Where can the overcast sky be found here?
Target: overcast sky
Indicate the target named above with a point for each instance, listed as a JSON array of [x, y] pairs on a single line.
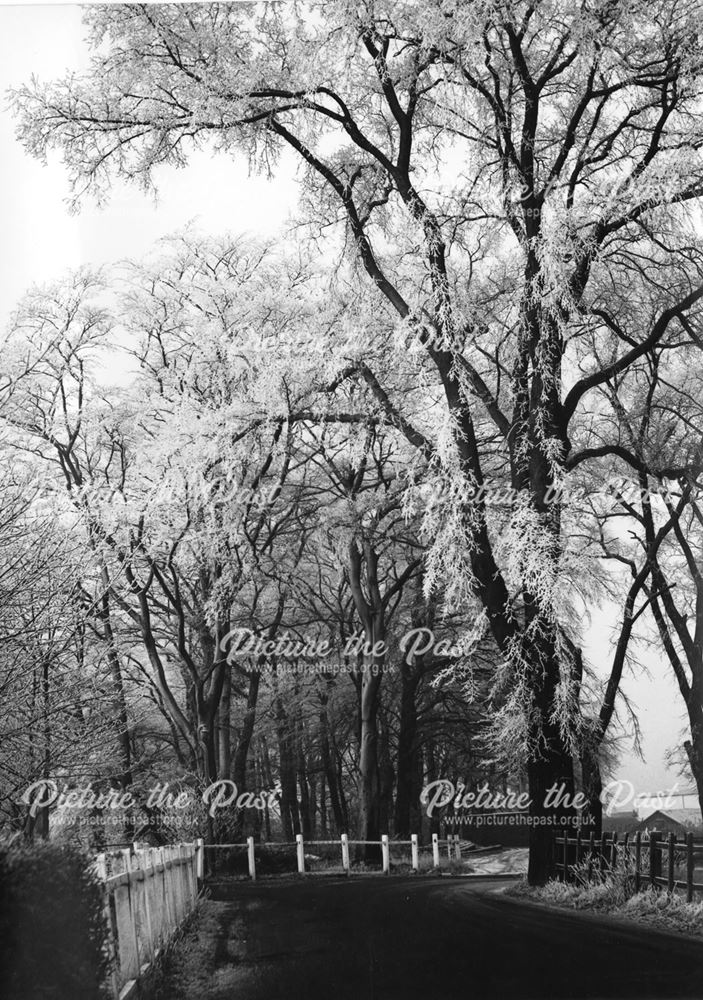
[[41, 240]]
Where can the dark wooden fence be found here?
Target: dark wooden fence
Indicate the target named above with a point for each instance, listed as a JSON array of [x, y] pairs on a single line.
[[657, 860]]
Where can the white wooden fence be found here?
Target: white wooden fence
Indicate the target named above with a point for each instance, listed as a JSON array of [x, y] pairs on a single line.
[[149, 893], [452, 846]]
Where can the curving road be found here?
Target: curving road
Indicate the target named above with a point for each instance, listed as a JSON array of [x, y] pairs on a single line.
[[375, 938]]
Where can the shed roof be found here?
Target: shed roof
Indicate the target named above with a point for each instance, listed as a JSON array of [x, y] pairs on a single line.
[[682, 817]]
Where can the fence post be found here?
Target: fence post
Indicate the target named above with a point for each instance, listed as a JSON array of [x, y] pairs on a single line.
[[184, 879], [300, 850], [146, 889], [189, 869], [155, 905], [131, 901], [101, 871], [689, 867], [414, 859], [601, 866], [179, 878], [101, 866], [386, 854], [189, 866], [200, 859], [578, 846], [638, 860], [670, 864], [654, 858], [435, 850], [457, 847], [194, 860], [345, 853], [251, 858], [614, 850], [168, 905]]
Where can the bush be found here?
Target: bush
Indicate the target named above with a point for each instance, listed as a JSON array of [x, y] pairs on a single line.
[[666, 910], [52, 925], [613, 891], [594, 885], [611, 884]]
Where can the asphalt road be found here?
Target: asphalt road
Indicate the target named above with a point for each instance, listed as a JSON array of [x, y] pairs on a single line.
[[376, 938]]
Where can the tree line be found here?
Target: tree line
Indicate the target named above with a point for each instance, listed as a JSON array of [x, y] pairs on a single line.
[[507, 197]]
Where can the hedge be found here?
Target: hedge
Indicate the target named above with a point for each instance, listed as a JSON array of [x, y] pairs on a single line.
[[52, 925]]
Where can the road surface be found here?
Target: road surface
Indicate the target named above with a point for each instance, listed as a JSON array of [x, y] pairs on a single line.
[[376, 938]]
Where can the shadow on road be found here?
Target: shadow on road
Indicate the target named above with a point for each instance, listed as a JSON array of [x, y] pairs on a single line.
[[432, 939]]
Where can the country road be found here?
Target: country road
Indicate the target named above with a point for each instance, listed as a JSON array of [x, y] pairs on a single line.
[[375, 938]]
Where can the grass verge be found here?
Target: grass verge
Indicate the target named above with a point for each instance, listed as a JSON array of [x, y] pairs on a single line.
[[655, 907]]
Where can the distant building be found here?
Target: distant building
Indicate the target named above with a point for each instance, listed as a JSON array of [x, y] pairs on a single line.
[[620, 822], [675, 821], [685, 799]]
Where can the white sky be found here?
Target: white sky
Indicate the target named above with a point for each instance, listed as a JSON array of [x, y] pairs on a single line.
[[41, 240]]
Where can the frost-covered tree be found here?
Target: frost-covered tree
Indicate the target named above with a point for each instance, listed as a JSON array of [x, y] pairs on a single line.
[[652, 524], [56, 720], [497, 169], [178, 507], [54, 334]]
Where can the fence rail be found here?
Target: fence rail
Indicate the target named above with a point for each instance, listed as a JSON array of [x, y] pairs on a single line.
[[149, 893], [642, 857], [452, 847]]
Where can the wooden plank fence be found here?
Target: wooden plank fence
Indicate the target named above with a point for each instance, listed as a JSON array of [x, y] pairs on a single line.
[[664, 862], [149, 893]]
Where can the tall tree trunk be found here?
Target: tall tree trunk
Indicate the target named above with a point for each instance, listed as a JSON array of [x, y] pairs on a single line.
[[548, 767], [118, 694], [371, 613], [666, 614], [386, 776], [290, 815], [41, 826], [29, 820], [303, 786], [592, 788], [240, 757], [694, 746], [324, 828], [536, 419], [312, 802], [241, 753], [343, 802], [224, 725], [329, 770], [369, 805], [267, 783], [431, 775], [407, 750]]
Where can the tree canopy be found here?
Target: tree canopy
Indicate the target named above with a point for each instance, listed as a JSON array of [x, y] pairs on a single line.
[[509, 192]]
